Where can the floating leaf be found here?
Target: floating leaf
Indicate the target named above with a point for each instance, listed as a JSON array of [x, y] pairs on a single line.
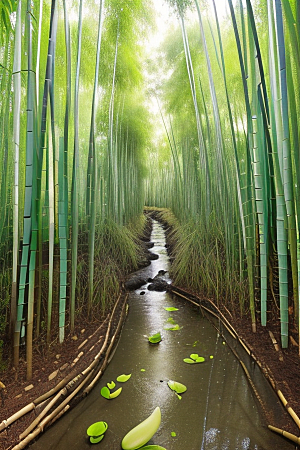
[[189, 361], [97, 429], [111, 385], [143, 370], [95, 440], [194, 359], [200, 359], [105, 392], [155, 338], [116, 393], [143, 432], [171, 308], [177, 387], [211, 357], [171, 320], [173, 328], [173, 434], [195, 343], [123, 378]]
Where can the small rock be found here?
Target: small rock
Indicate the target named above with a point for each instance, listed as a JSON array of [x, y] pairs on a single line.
[[135, 282], [52, 375], [74, 338], [82, 331], [142, 293], [29, 387], [56, 362], [57, 356]]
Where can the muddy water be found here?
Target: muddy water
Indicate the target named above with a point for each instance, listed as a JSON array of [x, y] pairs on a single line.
[[217, 412]]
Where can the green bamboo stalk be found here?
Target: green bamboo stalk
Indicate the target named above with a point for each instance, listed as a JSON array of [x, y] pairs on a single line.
[[92, 169], [28, 208], [16, 132], [286, 154], [281, 213], [250, 255], [62, 223], [74, 190], [50, 176], [204, 164]]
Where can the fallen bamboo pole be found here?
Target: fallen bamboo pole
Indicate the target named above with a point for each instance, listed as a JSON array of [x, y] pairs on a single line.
[[21, 445], [26, 436], [286, 434], [59, 387], [288, 408]]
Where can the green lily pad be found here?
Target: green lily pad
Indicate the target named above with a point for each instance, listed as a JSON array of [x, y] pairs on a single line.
[[96, 440], [189, 361], [171, 308], [143, 370], [123, 378], [173, 434], [155, 338], [211, 357], [111, 385], [105, 392], [194, 356], [200, 359], [115, 394], [179, 388], [97, 429]]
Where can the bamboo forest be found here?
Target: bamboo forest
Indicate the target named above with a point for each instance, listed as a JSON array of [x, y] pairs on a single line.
[[116, 115]]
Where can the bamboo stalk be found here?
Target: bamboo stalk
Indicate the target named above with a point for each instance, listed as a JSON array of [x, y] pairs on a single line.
[[288, 408], [286, 434]]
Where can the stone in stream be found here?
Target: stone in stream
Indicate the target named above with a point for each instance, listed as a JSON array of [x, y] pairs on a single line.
[[158, 283], [153, 256], [135, 282]]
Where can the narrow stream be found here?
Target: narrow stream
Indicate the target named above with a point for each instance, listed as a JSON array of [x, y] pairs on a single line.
[[217, 412]]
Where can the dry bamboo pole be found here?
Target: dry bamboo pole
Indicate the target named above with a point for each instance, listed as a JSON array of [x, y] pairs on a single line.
[[21, 445], [92, 384], [86, 374], [288, 408], [286, 434], [71, 376], [6, 423], [40, 416]]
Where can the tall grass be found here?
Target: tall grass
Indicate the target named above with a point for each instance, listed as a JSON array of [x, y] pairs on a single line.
[[246, 230]]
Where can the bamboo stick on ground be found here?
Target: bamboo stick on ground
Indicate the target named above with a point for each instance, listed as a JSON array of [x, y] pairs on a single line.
[[286, 434], [288, 408], [21, 445], [6, 423]]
